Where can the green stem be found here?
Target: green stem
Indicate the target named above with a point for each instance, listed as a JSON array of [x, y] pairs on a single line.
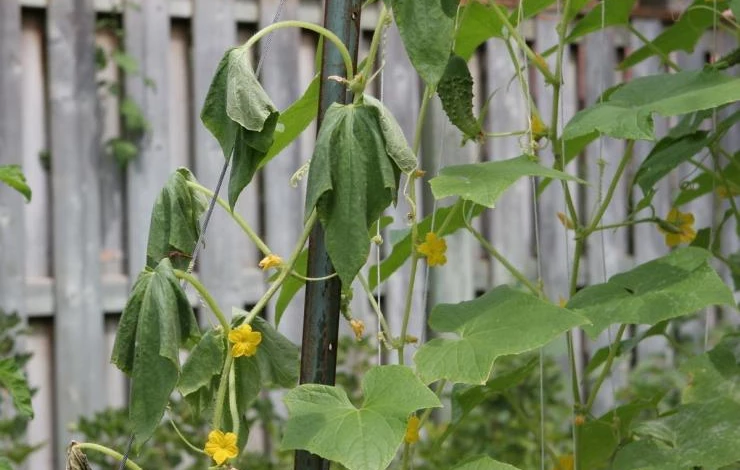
[[411, 199], [212, 304], [300, 276], [613, 349], [286, 271], [346, 57], [505, 262], [233, 408], [656, 50], [383, 18], [184, 439], [504, 134], [243, 224], [222, 387], [612, 188], [376, 308], [439, 388], [627, 223], [537, 61], [107, 451]]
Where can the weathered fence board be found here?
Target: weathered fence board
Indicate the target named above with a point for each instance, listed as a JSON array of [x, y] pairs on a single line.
[[74, 147]]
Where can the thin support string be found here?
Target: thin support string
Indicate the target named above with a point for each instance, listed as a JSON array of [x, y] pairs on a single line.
[[211, 206], [715, 167], [561, 116], [378, 292]]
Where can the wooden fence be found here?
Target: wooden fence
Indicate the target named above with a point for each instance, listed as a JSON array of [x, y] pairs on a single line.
[[67, 258]]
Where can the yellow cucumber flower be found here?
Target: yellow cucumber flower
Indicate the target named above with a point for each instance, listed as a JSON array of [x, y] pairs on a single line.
[[434, 248], [678, 228], [221, 446], [245, 341], [270, 261], [412, 430]]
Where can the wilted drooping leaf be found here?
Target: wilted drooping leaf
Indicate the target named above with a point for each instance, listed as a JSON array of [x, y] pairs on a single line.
[[323, 421], [156, 321], [351, 180], [240, 115], [175, 226]]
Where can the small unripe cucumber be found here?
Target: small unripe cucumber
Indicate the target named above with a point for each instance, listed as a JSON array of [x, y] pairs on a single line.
[[455, 90]]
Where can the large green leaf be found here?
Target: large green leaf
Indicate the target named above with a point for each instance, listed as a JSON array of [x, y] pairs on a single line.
[[735, 7], [715, 373], [174, 226], [213, 115], [250, 149], [13, 176], [677, 284], [697, 435], [157, 320], [427, 33], [484, 183], [627, 112], [322, 420], [683, 35], [294, 120], [504, 321], [606, 13], [484, 462], [667, 154], [15, 383], [352, 179], [277, 356], [454, 215]]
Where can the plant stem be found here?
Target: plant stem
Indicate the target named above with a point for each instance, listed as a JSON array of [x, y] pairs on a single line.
[[107, 451], [243, 224], [505, 262], [383, 18], [612, 188], [607, 368], [206, 296], [184, 439], [376, 308], [627, 223], [664, 57], [233, 408], [297, 275], [286, 271], [537, 61], [222, 387], [346, 57], [411, 198]]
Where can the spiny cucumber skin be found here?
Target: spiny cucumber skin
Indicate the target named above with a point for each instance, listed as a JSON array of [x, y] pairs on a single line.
[[455, 91]]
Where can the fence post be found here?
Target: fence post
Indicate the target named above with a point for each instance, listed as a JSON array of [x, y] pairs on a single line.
[[321, 314]]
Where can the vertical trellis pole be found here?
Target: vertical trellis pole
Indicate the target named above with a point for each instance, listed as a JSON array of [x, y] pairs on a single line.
[[321, 314]]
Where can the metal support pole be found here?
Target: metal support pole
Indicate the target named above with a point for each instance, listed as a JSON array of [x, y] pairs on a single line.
[[321, 314]]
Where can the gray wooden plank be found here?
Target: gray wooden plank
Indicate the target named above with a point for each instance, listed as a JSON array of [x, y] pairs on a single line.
[[214, 31], [510, 224], [111, 172], [283, 205], [34, 141], [40, 371], [401, 96], [147, 39], [12, 239], [79, 356]]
